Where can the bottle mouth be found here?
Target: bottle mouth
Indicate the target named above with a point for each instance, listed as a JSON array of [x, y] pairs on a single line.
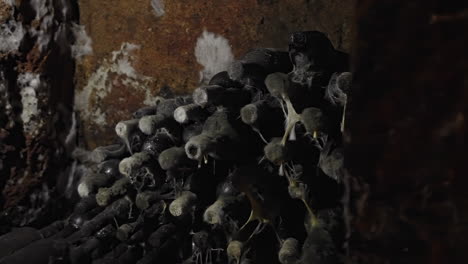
[[235, 71], [200, 96], [249, 114], [180, 115], [193, 151]]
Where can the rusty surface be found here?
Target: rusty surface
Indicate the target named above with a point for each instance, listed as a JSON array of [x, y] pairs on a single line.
[[34, 158], [167, 43]]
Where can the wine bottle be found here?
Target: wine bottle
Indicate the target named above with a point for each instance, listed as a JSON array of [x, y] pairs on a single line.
[[124, 129], [220, 96], [222, 79], [184, 204], [190, 113], [173, 158], [116, 151], [119, 188], [221, 139], [289, 252], [257, 64]]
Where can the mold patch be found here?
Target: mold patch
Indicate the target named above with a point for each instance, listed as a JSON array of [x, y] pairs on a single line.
[[11, 35], [29, 84], [100, 84], [214, 53], [83, 43]]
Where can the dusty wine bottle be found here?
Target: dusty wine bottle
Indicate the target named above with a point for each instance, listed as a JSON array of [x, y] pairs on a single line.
[[338, 87], [128, 166], [221, 139], [254, 113], [145, 111], [106, 233], [125, 231], [124, 129], [116, 151], [269, 60], [279, 86], [76, 220], [183, 205], [192, 130], [91, 182], [289, 252], [174, 157], [119, 188], [311, 49], [154, 210], [146, 199], [278, 153], [85, 204], [149, 124], [318, 247], [265, 117], [138, 237], [228, 194], [222, 79], [167, 107], [331, 161], [190, 113], [315, 122], [110, 168], [234, 250], [156, 144], [257, 64], [199, 146], [215, 213], [118, 209], [220, 96], [158, 237]]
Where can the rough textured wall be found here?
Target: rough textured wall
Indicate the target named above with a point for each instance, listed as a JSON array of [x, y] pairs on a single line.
[[36, 92], [141, 46], [406, 133]]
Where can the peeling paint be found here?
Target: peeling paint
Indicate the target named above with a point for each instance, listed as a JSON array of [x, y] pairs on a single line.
[[214, 53], [158, 7], [83, 43], [45, 14], [29, 84], [11, 35], [103, 80]]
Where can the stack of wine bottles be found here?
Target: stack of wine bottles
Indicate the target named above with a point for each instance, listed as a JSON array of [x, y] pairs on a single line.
[[247, 169]]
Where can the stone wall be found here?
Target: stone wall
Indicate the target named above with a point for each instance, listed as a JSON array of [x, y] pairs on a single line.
[[126, 53], [141, 46]]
